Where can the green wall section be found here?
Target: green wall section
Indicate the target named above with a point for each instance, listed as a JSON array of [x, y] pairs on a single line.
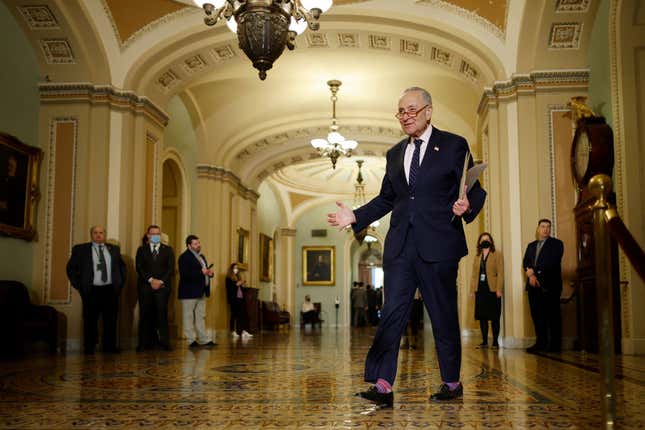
[[268, 209], [19, 110], [316, 218], [180, 135], [599, 64]]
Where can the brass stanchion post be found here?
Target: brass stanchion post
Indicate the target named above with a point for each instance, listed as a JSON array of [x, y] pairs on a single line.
[[600, 187]]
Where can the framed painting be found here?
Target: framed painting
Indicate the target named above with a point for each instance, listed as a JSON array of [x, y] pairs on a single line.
[[243, 248], [318, 265], [266, 258], [19, 193]]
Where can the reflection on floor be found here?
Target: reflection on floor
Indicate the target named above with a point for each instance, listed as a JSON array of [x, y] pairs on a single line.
[[297, 379]]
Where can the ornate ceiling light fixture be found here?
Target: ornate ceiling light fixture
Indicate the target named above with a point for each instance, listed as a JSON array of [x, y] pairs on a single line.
[[335, 145], [265, 27]]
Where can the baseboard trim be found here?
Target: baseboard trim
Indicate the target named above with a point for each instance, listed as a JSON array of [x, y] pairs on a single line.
[[634, 346]]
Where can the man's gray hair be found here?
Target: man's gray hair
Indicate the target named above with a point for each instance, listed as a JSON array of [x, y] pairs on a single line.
[[425, 94]]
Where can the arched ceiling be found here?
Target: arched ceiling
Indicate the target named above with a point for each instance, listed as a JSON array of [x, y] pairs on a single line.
[[260, 130]]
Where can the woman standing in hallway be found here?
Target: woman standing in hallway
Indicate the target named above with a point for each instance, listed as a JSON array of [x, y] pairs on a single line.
[[486, 286], [235, 297]]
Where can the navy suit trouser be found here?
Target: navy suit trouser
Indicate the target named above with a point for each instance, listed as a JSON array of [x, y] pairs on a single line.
[[437, 282]]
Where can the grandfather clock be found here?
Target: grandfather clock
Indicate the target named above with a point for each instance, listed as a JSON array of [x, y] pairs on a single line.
[[592, 152]]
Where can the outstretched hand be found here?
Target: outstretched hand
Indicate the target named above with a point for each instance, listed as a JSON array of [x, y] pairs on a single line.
[[462, 205], [342, 218]]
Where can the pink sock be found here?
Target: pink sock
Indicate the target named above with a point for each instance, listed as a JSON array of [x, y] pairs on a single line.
[[382, 386], [453, 385]]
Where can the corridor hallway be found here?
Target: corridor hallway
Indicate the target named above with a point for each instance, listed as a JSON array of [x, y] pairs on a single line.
[[306, 380]]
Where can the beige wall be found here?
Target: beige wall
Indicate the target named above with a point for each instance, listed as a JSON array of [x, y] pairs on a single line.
[[528, 147], [627, 40]]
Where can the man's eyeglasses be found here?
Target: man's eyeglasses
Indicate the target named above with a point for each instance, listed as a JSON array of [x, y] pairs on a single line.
[[412, 113]]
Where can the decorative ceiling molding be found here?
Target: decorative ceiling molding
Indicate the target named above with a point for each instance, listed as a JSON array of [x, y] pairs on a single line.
[[101, 94], [223, 53], [167, 80], [565, 35], [537, 81], [568, 6], [57, 51], [170, 79], [471, 15], [274, 141], [39, 17], [349, 40], [215, 173], [378, 41], [194, 64]]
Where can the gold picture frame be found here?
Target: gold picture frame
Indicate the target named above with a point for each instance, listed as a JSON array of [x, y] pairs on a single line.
[[318, 265], [19, 191], [266, 258], [243, 248]]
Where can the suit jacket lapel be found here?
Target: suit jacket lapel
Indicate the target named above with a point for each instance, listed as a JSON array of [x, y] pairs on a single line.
[[399, 161], [433, 143]]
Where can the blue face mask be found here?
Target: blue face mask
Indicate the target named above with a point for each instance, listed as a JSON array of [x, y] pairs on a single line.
[[155, 238]]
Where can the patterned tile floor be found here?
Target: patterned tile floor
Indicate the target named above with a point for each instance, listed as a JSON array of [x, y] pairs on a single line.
[[300, 380]]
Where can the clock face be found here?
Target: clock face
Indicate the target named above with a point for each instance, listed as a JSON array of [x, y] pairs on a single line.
[[582, 154]]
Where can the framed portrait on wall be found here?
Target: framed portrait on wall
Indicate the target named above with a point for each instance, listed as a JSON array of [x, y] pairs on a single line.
[[266, 258], [318, 265], [19, 193], [243, 248]]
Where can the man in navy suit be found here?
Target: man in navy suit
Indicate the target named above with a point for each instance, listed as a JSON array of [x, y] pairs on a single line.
[[543, 267], [194, 287], [97, 271], [423, 245]]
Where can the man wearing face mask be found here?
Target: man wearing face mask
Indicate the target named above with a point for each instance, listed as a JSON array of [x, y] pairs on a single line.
[[154, 263]]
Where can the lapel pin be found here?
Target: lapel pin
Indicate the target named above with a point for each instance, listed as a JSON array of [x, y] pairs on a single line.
[[436, 148]]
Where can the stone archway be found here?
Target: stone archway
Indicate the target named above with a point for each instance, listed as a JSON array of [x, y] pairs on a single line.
[[173, 221]]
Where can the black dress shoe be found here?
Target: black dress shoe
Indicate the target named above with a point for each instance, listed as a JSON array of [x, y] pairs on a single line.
[[113, 350], [495, 346], [383, 400], [482, 345], [445, 393], [193, 344], [210, 344]]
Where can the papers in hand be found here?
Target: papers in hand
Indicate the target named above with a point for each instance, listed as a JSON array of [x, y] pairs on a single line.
[[469, 176]]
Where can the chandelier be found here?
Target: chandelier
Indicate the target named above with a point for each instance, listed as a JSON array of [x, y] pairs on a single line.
[[265, 27], [359, 200], [335, 145]]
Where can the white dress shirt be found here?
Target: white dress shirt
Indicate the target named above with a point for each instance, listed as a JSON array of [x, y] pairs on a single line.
[[95, 264], [409, 151]]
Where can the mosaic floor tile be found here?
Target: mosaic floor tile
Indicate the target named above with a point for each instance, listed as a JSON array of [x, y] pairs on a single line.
[[297, 380]]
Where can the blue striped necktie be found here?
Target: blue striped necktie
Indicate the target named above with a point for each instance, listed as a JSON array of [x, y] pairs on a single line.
[[414, 165]]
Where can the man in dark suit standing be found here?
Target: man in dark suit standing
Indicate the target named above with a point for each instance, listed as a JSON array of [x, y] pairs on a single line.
[[423, 245], [98, 272], [155, 264], [543, 267], [194, 287]]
